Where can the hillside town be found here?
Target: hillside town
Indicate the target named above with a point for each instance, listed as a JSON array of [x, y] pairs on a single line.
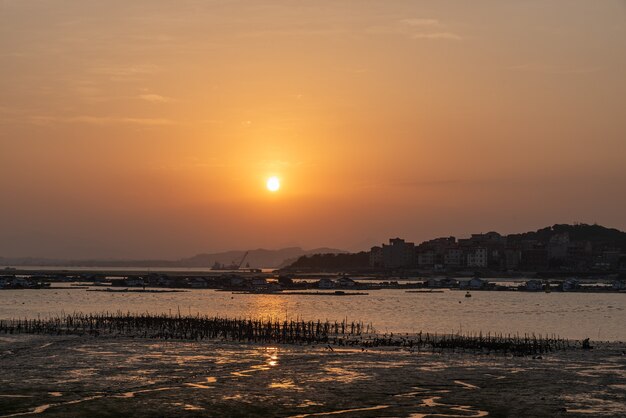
[[558, 251], [495, 252]]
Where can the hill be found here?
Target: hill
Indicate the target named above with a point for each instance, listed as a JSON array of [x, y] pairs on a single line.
[[331, 262], [598, 235], [259, 258]]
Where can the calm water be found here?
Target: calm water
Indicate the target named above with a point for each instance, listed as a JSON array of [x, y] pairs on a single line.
[[571, 315]]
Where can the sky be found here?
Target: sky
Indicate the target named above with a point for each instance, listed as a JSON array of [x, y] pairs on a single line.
[[148, 129]]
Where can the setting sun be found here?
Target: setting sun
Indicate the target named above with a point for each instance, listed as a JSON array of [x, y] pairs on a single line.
[[273, 184]]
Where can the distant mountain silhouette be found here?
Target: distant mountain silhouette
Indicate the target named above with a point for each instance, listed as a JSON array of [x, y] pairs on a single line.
[[259, 258]]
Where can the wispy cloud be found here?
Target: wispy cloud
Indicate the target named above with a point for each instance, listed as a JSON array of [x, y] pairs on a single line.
[[445, 36], [552, 69], [421, 22], [126, 73], [419, 28], [154, 98], [101, 120]]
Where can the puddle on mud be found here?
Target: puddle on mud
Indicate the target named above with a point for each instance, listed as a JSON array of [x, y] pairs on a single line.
[[188, 407], [342, 411], [341, 375], [466, 385], [131, 394], [465, 410], [284, 384], [42, 408], [592, 404], [307, 403], [199, 386]]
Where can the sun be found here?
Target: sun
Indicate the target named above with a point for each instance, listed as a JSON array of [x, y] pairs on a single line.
[[273, 184]]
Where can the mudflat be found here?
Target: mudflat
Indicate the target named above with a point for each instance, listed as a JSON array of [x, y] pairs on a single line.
[[106, 376]]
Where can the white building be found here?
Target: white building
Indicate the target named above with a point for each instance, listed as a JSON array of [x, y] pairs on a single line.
[[477, 257]]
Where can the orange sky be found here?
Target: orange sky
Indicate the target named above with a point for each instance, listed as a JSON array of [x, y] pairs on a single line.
[[149, 129]]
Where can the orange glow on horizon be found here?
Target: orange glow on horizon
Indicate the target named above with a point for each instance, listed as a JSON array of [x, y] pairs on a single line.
[[378, 119]]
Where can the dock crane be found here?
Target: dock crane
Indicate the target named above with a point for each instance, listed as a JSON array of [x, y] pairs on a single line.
[[242, 260]]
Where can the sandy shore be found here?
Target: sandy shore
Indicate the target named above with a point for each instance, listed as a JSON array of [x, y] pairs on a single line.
[[83, 376]]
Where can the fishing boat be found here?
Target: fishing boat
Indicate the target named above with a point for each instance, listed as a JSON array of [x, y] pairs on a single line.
[[468, 294]]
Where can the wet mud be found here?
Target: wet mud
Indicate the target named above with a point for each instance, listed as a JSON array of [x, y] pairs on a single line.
[[72, 376]]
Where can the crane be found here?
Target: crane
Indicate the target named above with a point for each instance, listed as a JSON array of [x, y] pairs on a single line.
[[242, 260]]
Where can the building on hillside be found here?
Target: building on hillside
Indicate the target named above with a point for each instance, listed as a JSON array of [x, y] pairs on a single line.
[[453, 257], [396, 254], [512, 258], [426, 258], [489, 240], [557, 246], [611, 258], [477, 257], [438, 245], [376, 257], [535, 258]]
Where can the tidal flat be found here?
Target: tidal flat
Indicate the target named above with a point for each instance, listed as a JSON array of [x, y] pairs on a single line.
[[77, 376]]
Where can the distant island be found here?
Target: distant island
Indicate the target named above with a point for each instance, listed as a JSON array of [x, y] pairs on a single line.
[[259, 258], [561, 248]]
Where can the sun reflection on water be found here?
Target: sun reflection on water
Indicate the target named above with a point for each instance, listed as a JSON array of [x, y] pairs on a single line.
[[272, 356]]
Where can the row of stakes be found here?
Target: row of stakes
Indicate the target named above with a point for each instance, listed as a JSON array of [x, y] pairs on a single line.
[[344, 333]]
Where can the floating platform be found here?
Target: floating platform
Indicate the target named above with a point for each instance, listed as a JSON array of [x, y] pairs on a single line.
[[424, 291], [135, 290]]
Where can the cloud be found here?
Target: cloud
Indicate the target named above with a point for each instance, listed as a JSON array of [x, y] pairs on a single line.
[[418, 28], [552, 69], [421, 22], [126, 73], [154, 98], [101, 120], [436, 36]]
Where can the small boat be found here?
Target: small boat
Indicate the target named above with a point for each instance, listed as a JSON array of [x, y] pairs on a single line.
[[468, 294]]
